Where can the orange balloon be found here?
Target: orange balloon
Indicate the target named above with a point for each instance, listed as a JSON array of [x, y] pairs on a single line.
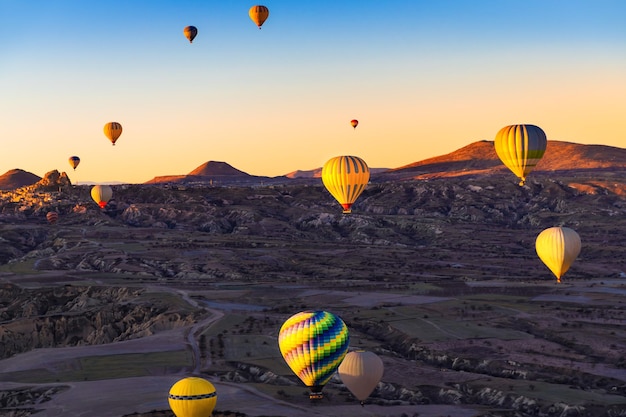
[[258, 14], [190, 33], [354, 123]]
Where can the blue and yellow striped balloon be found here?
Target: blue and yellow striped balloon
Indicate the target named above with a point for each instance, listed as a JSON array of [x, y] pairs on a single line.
[[313, 343]]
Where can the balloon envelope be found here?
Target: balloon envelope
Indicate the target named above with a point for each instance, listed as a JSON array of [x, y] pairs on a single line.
[[74, 161], [52, 217], [558, 248], [345, 178], [190, 33], [361, 371], [192, 397], [112, 130], [101, 194], [520, 148], [258, 14], [354, 123], [313, 343]]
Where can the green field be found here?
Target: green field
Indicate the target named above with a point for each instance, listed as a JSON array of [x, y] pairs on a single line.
[[91, 368]]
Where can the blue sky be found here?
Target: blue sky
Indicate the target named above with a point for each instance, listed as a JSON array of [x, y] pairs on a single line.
[[423, 77]]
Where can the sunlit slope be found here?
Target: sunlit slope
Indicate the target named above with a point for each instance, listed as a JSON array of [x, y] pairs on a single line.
[[480, 158]]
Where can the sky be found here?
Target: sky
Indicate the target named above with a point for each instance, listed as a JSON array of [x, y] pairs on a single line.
[[423, 78]]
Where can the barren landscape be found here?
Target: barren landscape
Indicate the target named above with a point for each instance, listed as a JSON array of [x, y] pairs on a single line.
[[435, 271]]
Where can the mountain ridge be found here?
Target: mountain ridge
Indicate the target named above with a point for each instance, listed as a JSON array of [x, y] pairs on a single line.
[[477, 158]]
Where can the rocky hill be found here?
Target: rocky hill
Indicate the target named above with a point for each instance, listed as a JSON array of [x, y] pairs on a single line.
[[16, 178], [480, 159], [218, 174]]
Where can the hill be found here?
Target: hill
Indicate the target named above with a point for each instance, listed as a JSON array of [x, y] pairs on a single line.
[[216, 173], [476, 159], [16, 178], [480, 158], [213, 168]]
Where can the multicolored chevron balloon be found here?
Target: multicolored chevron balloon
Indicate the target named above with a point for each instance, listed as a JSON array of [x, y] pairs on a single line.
[[313, 343]]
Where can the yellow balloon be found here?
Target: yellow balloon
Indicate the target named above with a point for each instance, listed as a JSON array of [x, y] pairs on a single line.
[[345, 178], [361, 371], [112, 130], [101, 194], [558, 248], [192, 397], [258, 14], [520, 148]]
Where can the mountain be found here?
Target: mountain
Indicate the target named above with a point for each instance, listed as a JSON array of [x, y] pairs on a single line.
[[218, 173], [213, 169], [17, 178], [480, 158], [476, 159]]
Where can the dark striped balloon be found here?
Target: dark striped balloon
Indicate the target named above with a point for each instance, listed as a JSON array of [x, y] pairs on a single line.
[[52, 217], [313, 343]]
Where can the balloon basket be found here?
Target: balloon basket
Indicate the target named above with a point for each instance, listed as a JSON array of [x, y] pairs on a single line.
[[316, 396]]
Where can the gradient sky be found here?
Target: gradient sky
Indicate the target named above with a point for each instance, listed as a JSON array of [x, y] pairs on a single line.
[[423, 78]]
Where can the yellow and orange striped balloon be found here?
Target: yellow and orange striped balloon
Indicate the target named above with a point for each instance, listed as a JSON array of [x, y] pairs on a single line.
[[345, 178], [112, 131]]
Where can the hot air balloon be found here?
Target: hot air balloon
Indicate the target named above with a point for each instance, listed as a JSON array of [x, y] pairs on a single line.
[[190, 33], [520, 147], [101, 194], [74, 161], [361, 371], [558, 247], [192, 397], [52, 217], [258, 14], [354, 123], [112, 130], [345, 177], [313, 343]]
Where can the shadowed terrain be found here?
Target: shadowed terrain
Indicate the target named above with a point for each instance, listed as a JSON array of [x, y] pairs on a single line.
[[438, 276]]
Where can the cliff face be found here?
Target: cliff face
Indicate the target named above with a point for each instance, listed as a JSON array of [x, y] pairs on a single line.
[[69, 316]]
